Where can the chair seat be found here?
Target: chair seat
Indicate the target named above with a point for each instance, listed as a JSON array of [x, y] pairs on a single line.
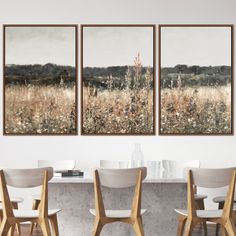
[[117, 213], [200, 196], [202, 213], [15, 199], [220, 199], [32, 213]]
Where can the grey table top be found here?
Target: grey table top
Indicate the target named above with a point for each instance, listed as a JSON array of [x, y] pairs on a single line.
[[88, 180]]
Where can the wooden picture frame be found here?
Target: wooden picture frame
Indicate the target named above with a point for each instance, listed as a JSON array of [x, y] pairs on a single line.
[[104, 129], [172, 118], [63, 77]]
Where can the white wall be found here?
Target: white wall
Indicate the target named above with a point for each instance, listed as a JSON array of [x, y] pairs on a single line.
[[25, 151]]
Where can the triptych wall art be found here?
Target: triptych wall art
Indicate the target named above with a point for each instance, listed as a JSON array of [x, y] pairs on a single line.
[[117, 79]]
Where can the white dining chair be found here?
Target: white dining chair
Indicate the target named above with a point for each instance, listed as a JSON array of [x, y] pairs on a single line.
[[119, 178], [220, 200], [208, 178], [180, 170], [57, 165], [15, 201], [27, 178]]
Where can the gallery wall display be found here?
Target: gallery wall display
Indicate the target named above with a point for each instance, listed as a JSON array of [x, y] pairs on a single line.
[[40, 79], [196, 79], [118, 79]]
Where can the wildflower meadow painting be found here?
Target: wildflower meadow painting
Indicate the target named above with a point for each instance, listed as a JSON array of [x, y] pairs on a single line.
[[118, 80], [40, 80], [195, 80]]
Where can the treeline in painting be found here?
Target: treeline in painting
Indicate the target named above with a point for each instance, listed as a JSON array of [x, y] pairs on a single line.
[[196, 102]]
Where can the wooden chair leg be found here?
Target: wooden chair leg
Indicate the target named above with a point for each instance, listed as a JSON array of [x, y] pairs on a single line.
[[97, 227], [34, 207], [218, 226], [15, 206], [234, 218], [5, 227], [189, 227], [201, 206], [45, 226], [229, 226], [138, 227], [182, 221], [54, 223], [222, 231], [12, 231], [1, 216]]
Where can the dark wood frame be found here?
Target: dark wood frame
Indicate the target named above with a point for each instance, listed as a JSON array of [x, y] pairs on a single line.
[[75, 26], [154, 78], [232, 77]]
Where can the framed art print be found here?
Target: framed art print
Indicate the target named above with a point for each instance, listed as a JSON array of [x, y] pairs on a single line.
[[40, 79], [195, 79], [118, 80]]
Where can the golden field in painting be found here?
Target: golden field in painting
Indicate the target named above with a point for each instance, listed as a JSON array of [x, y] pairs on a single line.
[[118, 112], [202, 110], [40, 109]]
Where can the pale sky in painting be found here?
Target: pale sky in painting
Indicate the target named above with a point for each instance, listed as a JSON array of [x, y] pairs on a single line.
[[202, 46], [117, 46], [40, 45]]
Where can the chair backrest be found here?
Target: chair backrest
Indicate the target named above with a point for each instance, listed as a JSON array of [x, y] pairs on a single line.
[[212, 178], [121, 178], [109, 164], [26, 178], [58, 165]]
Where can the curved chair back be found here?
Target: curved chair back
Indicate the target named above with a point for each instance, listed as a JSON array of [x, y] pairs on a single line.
[[212, 178], [26, 178], [58, 165], [121, 178]]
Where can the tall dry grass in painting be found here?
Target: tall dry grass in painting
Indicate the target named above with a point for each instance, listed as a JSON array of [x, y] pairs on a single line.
[[203, 110], [40, 109], [121, 111]]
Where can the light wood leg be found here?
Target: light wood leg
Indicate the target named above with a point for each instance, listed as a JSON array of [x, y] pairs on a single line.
[[138, 228], [189, 228], [234, 218], [182, 221], [12, 231], [229, 226], [218, 226], [97, 227], [15, 206], [45, 226], [1, 216], [5, 227], [54, 223], [201, 206], [34, 207], [222, 231]]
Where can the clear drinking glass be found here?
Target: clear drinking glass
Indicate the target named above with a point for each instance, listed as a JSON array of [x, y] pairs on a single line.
[[153, 169]]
